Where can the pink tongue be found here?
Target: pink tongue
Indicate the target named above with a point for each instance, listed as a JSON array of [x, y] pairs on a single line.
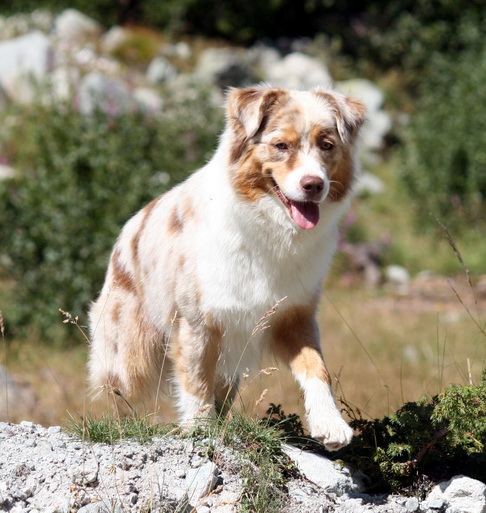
[[306, 215]]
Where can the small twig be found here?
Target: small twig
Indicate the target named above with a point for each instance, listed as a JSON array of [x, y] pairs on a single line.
[[426, 448]]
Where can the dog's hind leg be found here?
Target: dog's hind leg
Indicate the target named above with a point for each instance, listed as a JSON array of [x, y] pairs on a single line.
[[195, 356], [225, 394]]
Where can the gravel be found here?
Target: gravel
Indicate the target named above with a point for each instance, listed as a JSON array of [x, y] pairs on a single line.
[[48, 470]]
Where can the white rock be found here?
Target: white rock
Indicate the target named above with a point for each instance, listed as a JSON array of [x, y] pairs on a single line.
[[72, 27], [96, 90], [24, 63], [114, 39], [322, 471], [378, 122], [201, 481], [147, 99], [3, 99], [264, 57], [462, 493], [412, 505], [15, 398], [181, 50], [63, 81], [160, 70], [223, 66], [368, 183], [85, 474], [397, 274], [5, 173], [298, 71], [95, 507]]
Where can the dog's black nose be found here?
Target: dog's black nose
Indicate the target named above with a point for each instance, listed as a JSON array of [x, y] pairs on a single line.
[[312, 185]]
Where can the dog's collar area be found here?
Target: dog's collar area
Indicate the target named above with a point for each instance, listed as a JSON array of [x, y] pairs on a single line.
[[304, 213]]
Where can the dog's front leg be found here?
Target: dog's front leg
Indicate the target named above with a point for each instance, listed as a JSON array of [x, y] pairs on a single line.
[[296, 341], [196, 355]]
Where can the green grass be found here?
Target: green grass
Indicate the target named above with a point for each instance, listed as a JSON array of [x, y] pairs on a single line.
[[109, 429]]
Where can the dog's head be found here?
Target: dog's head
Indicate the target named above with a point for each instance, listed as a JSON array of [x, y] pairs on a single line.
[[295, 145]]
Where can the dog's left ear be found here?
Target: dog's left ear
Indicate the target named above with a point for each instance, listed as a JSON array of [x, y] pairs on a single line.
[[350, 113], [248, 108]]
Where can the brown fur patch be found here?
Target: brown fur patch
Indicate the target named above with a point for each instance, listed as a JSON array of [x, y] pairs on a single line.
[[196, 366], [188, 211], [294, 338], [181, 263], [341, 177], [238, 144], [320, 134], [251, 181], [145, 356], [175, 223], [121, 278], [350, 116], [146, 211], [285, 120], [114, 381], [115, 313], [358, 109], [257, 104]]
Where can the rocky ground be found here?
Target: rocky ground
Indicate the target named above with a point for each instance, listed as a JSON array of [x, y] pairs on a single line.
[[46, 469]]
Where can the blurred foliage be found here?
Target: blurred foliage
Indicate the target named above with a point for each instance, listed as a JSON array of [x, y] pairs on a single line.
[[401, 33], [435, 439], [444, 157], [79, 179]]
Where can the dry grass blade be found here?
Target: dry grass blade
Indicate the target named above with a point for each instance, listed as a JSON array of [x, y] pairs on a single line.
[[2, 331], [74, 320], [2, 326], [262, 324], [454, 247], [471, 316]]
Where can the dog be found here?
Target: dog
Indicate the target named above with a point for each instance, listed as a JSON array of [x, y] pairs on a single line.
[[194, 272]]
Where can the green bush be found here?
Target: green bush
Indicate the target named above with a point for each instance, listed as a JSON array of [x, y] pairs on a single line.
[[444, 161], [79, 179], [423, 441]]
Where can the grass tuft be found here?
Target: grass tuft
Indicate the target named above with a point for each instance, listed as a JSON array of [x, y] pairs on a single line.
[[110, 430]]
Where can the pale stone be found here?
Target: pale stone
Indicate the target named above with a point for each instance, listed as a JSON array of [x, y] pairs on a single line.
[[24, 63], [298, 71], [323, 472], [462, 493], [73, 27]]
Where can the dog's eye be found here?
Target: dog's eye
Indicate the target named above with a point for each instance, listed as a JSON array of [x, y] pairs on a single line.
[[282, 146], [326, 146]]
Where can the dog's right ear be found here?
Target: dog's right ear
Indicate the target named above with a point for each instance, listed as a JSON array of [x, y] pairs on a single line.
[[248, 109]]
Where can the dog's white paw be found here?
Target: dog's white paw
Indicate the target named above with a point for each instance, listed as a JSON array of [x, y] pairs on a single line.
[[333, 432]]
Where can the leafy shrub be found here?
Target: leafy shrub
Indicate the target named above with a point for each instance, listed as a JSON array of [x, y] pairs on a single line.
[[408, 33], [435, 439], [444, 157], [80, 178]]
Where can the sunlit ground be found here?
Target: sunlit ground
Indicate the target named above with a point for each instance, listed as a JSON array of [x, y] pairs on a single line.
[[382, 349]]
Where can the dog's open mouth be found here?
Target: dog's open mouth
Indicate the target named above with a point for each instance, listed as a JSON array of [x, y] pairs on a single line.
[[304, 213]]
